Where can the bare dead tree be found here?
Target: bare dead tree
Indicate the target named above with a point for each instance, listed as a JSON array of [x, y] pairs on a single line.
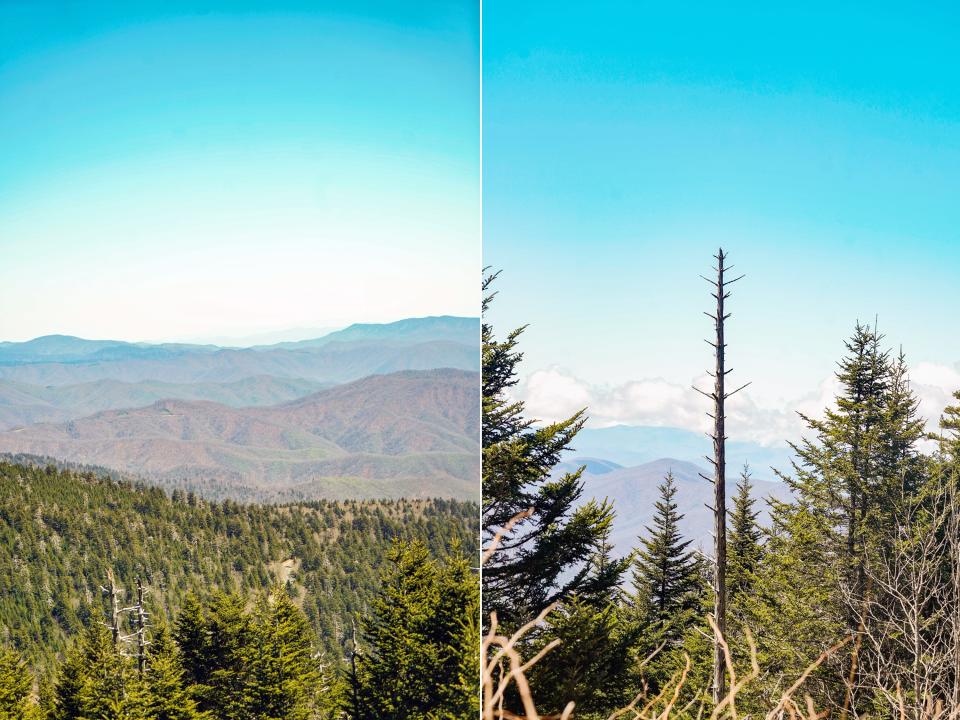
[[113, 592], [719, 509], [141, 619], [910, 622]]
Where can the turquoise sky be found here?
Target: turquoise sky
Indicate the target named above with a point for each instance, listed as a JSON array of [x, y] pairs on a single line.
[[819, 143], [179, 170]]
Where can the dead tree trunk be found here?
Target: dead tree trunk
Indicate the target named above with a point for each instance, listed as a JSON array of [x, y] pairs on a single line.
[[719, 396], [113, 592], [141, 630]]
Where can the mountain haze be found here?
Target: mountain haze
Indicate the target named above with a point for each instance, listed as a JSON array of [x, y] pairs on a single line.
[[634, 492], [24, 404], [412, 433]]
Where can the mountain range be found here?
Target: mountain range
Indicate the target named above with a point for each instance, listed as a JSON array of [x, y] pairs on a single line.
[[631, 445], [411, 433], [633, 491], [368, 411]]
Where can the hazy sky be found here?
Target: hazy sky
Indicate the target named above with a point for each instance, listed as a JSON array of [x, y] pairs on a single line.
[[819, 143], [168, 173]]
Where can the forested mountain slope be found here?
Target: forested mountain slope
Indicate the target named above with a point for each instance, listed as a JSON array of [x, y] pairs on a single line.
[[61, 531], [413, 433]]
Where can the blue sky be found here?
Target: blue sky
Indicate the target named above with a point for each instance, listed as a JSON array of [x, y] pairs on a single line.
[[623, 142], [181, 170]]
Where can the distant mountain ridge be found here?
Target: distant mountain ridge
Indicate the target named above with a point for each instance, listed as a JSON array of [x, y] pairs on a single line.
[[441, 327], [71, 349], [411, 433], [634, 492], [23, 404], [632, 445]]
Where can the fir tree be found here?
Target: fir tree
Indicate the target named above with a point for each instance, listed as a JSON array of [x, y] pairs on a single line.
[[286, 669], [666, 576], [743, 541], [393, 678], [16, 684], [546, 556], [168, 697]]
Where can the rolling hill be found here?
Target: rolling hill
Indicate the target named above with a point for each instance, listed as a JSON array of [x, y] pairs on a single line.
[[410, 433], [22, 404]]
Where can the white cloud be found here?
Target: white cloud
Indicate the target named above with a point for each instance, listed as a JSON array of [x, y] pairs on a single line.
[[554, 393]]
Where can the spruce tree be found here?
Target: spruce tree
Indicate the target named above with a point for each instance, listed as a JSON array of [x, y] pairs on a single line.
[[98, 682], [592, 665], [16, 685], [231, 652], [456, 632], [394, 666], [853, 482], [546, 556], [192, 637], [286, 670], [666, 575], [744, 545], [167, 694]]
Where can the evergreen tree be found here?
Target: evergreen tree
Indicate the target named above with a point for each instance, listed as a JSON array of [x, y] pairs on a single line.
[[16, 684], [68, 689], [230, 657], [950, 430], [666, 577], [168, 697], [852, 483], [592, 664], [286, 669], [455, 630], [546, 556], [98, 682], [419, 656], [743, 542], [192, 637]]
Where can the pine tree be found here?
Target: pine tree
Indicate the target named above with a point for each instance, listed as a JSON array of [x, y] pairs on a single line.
[[16, 684], [666, 576], [743, 542], [546, 556]]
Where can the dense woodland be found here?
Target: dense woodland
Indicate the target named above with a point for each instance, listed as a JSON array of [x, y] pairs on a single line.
[[848, 601], [326, 609]]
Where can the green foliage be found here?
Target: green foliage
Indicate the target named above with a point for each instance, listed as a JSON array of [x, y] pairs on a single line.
[[667, 577], [168, 695], [16, 684], [61, 531], [546, 556], [744, 542], [592, 665], [419, 642]]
